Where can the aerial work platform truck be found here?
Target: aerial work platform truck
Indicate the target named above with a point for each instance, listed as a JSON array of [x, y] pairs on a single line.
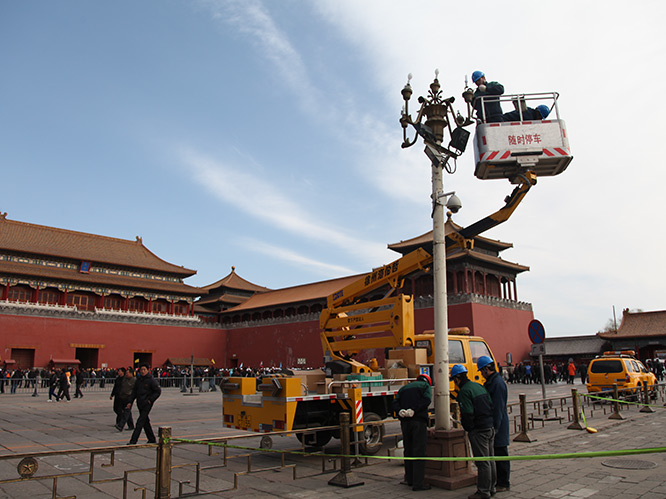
[[355, 319]]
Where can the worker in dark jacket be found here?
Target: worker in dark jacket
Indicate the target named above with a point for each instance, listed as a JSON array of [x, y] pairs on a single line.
[[146, 391], [410, 405], [488, 109], [476, 412], [496, 388], [537, 114]]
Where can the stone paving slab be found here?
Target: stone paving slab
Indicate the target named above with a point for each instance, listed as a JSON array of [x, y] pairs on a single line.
[[30, 424]]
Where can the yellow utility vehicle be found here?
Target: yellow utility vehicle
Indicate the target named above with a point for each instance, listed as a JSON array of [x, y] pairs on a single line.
[[354, 321], [463, 349], [621, 368]]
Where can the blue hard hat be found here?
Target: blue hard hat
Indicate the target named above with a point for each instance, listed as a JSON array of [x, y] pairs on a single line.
[[544, 111], [456, 370], [483, 361], [476, 75]]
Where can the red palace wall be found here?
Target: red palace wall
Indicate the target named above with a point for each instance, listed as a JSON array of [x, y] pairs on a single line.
[[274, 345], [505, 329], [51, 338]]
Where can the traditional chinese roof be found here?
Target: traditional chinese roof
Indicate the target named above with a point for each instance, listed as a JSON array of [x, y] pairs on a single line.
[[639, 325], [234, 281], [223, 298], [21, 237], [53, 276], [575, 345], [295, 294], [425, 241], [487, 260]]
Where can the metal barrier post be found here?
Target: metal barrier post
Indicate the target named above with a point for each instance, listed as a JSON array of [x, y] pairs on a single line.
[[616, 405], [646, 399], [163, 464], [575, 425], [345, 478], [523, 436]]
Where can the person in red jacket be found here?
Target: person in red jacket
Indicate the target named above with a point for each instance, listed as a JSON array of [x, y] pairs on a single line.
[[571, 369]]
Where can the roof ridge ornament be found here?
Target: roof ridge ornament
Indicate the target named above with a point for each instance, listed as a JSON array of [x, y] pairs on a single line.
[[139, 239]]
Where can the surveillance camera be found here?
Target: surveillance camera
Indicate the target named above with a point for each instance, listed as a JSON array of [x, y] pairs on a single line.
[[454, 204]]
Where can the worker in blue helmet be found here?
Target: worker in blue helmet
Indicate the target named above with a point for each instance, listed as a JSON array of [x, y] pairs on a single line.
[[496, 388], [539, 113], [410, 405], [476, 414], [486, 98]]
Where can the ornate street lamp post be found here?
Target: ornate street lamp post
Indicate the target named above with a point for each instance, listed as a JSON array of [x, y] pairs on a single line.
[[436, 110], [441, 121]]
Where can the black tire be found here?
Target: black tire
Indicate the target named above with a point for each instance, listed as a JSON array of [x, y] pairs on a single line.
[[374, 435]]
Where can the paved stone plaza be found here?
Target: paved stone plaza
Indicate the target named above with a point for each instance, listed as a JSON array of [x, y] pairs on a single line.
[[31, 424]]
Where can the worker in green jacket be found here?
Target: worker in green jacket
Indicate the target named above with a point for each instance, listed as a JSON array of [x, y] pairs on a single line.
[[410, 405], [476, 413]]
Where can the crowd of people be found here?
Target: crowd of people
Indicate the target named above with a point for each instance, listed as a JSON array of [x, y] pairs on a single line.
[[65, 381]]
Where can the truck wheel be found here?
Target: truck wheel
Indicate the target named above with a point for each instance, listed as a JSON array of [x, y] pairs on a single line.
[[373, 435], [318, 439]]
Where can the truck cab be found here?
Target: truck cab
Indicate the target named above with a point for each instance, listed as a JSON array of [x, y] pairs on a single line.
[[464, 349]]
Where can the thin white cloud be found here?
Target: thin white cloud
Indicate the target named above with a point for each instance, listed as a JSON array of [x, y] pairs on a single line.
[[289, 256], [252, 19], [265, 202], [377, 147]]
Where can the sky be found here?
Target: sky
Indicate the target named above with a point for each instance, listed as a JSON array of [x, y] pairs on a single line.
[[264, 135]]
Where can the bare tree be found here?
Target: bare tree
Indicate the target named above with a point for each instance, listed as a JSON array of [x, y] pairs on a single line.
[[611, 325]]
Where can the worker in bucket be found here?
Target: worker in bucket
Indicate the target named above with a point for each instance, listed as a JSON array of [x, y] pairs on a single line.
[[411, 407], [476, 414], [539, 113], [496, 388], [491, 91]]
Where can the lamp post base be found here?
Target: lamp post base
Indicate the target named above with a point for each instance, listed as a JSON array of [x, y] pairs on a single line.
[[450, 475]]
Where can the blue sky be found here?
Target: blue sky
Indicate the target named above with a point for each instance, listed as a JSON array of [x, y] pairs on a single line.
[[265, 135]]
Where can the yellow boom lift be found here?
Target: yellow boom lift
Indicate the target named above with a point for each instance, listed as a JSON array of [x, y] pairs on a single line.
[[351, 322]]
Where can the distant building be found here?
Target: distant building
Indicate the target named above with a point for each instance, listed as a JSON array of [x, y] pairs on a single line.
[[578, 348], [71, 298], [228, 292], [283, 325], [643, 332]]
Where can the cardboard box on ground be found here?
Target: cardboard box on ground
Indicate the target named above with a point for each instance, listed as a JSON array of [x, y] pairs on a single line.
[[401, 364], [409, 357]]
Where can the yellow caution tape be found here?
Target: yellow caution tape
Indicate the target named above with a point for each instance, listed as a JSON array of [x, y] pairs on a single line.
[[606, 399]]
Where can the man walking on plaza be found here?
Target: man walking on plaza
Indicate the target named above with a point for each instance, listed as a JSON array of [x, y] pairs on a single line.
[[146, 391], [496, 388], [78, 380], [63, 386], [476, 410], [122, 391]]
